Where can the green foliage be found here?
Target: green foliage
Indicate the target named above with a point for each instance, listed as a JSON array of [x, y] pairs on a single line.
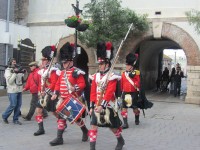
[[85, 22], [194, 19], [75, 18], [110, 22]]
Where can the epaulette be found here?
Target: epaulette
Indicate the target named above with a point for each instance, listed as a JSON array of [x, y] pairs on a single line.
[[137, 72], [114, 76], [77, 72]]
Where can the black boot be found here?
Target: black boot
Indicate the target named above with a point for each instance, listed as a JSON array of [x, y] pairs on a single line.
[[45, 113], [120, 143], [58, 140], [41, 129], [85, 133], [137, 121], [92, 145], [125, 125]]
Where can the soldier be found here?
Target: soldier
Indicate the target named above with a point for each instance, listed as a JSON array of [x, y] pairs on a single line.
[[46, 87], [130, 85], [71, 84], [102, 108]]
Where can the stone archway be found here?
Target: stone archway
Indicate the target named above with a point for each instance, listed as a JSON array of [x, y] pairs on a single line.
[[89, 51], [174, 33], [187, 43], [168, 31]]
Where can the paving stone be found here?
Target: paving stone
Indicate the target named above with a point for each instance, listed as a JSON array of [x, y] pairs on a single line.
[[167, 126]]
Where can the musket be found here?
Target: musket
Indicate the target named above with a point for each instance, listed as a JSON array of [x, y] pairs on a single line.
[[43, 99], [53, 55], [104, 84]]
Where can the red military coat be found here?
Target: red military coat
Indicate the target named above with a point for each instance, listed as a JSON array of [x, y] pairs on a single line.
[[32, 82], [126, 86], [109, 94], [51, 79], [75, 78]]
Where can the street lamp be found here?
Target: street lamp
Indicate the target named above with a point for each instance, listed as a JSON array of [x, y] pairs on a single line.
[[175, 59], [77, 12], [76, 50]]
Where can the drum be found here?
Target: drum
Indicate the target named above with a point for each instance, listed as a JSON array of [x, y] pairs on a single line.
[[71, 109]]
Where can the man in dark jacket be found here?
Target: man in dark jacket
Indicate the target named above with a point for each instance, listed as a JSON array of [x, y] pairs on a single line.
[[177, 80]]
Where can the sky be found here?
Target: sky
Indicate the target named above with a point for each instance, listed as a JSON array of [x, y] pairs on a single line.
[[180, 57], [171, 53]]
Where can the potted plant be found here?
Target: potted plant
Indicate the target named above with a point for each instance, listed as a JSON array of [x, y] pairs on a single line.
[[73, 21], [84, 25]]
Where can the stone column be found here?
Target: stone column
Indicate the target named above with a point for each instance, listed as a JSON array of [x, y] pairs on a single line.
[[193, 85]]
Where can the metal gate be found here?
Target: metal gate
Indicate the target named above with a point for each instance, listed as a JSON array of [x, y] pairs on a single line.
[[25, 53], [2, 78]]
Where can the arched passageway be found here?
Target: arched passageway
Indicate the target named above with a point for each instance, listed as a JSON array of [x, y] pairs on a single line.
[[151, 53], [149, 47]]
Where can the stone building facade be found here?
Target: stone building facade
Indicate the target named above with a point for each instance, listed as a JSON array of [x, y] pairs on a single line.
[[168, 29]]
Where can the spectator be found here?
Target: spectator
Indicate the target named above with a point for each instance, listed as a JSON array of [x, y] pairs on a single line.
[[177, 80], [171, 80], [158, 80], [165, 79], [15, 76], [32, 85]]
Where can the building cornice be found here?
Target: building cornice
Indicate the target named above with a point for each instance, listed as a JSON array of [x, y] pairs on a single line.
[[172, 19], [60, 23], [50, 23]]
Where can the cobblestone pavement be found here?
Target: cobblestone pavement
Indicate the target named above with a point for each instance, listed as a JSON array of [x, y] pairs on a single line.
[[169, 125]]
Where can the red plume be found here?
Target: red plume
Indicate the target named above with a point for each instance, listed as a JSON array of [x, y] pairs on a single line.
[[72, 44], [53, 48], [136, 55], [108, 45]]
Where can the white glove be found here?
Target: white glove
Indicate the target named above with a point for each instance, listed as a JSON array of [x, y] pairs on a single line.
[[45, 74]]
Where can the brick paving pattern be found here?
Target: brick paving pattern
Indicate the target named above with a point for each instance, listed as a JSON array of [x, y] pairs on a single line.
[[167, 126]]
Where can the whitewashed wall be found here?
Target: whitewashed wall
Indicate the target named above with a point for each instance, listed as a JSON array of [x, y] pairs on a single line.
[[169, 8], [51, 10], [15, 32], [54, 11], [47, 35], [43, 11]]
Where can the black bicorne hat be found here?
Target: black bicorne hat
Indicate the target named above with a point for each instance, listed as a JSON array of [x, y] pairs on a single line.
[[66, 52], [131, 59], [104, 52]]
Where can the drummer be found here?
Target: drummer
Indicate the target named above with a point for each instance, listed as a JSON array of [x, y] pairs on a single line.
[[70, 82]]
